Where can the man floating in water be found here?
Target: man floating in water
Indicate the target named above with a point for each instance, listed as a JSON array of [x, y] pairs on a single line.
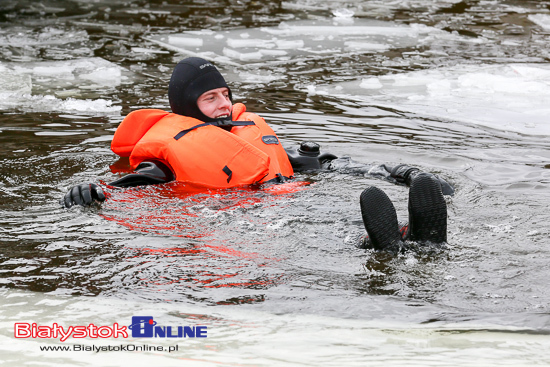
[[210, 142]]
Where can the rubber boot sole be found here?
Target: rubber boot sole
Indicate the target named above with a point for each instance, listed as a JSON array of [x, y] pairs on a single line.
[[427, 210], [380, 220]]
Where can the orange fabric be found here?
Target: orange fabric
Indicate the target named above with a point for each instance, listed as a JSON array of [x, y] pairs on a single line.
[[279, 159], [132, 128], [201, 156]]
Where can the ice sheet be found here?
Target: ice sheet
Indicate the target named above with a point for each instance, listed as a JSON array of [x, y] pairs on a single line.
[[299, 40], [29, 37], [374, 8], [369, 8], [510, 97], [49, 103], [68, 85], [542, 20], [85, 73]]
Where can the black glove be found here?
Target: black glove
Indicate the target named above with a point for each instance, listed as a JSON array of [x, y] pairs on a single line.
[[405, 174], [84, 194]]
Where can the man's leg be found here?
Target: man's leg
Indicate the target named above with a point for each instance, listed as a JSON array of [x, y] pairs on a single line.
[[427, 216], [427, 210], [380, 220]]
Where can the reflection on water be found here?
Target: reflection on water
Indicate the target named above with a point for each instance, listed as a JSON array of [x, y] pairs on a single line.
[[71, 70]]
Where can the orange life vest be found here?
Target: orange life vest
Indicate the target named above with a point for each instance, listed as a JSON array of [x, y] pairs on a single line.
[[203, 154]]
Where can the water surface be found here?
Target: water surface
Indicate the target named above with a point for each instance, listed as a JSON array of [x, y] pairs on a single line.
[[457, 88]]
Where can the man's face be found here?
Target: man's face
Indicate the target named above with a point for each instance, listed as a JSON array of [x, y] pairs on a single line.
[[215, 103]]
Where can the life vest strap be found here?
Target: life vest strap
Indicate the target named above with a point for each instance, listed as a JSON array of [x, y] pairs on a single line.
[[228, 172], [219, 124]]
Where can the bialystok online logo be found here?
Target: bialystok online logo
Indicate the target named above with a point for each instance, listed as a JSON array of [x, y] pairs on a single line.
[[141, 327]]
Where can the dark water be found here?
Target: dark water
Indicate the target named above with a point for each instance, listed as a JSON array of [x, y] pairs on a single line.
[[281, 250]]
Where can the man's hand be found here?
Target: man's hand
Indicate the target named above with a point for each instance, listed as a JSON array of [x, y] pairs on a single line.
[[84, 194], [404, 174]]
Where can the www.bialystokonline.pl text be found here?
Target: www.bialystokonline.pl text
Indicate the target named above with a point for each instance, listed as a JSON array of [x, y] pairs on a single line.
[[109, 348]]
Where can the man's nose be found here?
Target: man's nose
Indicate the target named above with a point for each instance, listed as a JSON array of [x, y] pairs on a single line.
[[225, 103]]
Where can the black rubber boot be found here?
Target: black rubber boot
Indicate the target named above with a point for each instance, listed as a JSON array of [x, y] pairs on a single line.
[[427, 210], [380, 220]]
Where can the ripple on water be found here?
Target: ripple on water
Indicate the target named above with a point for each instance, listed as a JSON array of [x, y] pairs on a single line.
[[289, 255]]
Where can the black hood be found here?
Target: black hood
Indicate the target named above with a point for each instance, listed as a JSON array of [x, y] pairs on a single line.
[[191, 78]]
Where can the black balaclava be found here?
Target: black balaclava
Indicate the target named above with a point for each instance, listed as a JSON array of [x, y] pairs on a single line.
[[192, 77]]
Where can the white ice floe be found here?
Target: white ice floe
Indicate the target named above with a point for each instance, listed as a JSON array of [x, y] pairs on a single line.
[[369, 8], [59, 85], [300, 40], [48, 36], [509, 97], [542, 20], [12, 83], [85, 73], [49, 103], [343, 13]]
